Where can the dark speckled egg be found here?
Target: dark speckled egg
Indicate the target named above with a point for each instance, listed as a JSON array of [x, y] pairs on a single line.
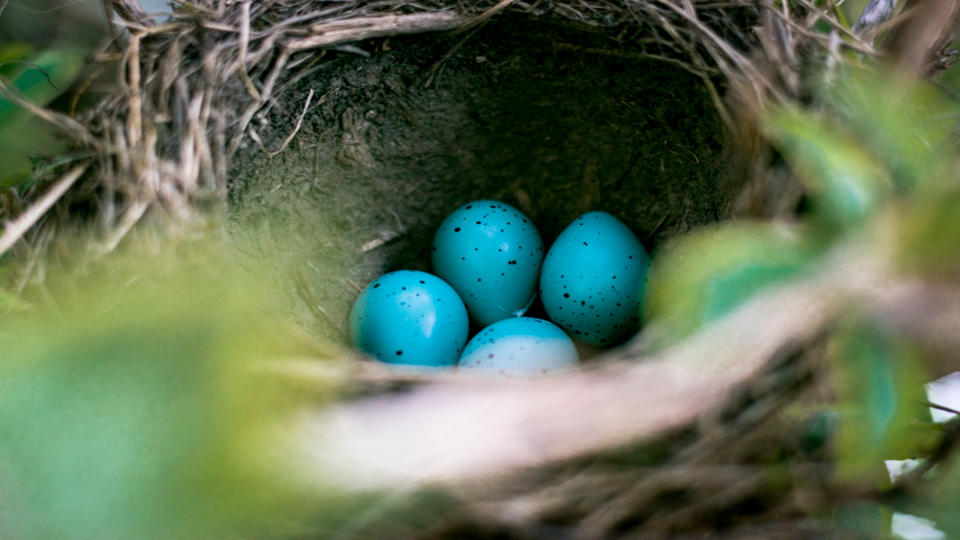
[[490, 253], [593, 279], [410, 318]]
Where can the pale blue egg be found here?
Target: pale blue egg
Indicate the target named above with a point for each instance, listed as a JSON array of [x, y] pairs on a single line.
[[520, 347], [490, 253], [593, 279], [411, 318]]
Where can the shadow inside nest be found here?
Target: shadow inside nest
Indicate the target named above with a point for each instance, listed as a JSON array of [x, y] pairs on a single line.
[[553, 118]]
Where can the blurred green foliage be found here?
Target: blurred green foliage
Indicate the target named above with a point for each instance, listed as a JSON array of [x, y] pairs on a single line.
[[843, 180], [137, 401], [874, 149], [706, 274], [40, 78], [881, 398], [9, 302], [877, 158], [43, 46], [939, 502], [905, 130], [927, 230]]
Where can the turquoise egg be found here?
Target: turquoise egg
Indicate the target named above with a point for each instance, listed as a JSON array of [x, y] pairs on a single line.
[[490, 253], [593, 279], [410, 318], [520, 347]]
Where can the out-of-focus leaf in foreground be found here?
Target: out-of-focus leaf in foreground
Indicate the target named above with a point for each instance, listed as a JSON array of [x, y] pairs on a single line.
[[876, 139], [844, 183], [941, 497], [880, 389], [39, 78], [9, 302], [137, 402], [908, 130], [927, 231], [878, 162], [707, 274], [874, 149]]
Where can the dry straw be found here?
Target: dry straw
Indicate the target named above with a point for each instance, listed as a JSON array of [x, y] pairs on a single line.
[[194, 87]]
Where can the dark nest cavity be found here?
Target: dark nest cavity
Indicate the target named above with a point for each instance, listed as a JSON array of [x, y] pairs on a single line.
[[553, 117]]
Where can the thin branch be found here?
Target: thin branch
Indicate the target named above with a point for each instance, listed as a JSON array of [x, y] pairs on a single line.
[[361, 28], [42, 71], [286, 142], [62, 121], [15, 230], [911, 481], [913, 41], [486, 15], [244, 45], [943, 408], [132, 10]]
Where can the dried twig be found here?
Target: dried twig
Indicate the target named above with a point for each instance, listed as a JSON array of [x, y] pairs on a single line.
[[913, 481], [132, 10], [486, 15], [15, 230], [63, 122], [289, 138], [244, 44], [261, 50], [340, 32], [926, 27]]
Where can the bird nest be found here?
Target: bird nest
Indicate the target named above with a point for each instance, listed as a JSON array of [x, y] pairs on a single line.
[[369, 121]]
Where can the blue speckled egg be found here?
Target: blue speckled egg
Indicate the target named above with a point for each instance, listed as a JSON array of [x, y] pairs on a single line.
[[411, 318], [593, 279], [520, 347], [491, 254]]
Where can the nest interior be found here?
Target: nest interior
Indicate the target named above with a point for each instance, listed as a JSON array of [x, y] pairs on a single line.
[[550, 116]]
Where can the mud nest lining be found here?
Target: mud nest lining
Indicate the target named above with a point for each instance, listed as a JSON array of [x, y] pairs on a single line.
[[554, 118]]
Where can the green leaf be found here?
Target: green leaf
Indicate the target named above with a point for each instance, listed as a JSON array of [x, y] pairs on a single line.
[[40, 78], [842, 179], [926, 232], [707, 274], [141, 405], [940, 497], [11, 53], [906, 128], [9, 302], [879, 382]]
